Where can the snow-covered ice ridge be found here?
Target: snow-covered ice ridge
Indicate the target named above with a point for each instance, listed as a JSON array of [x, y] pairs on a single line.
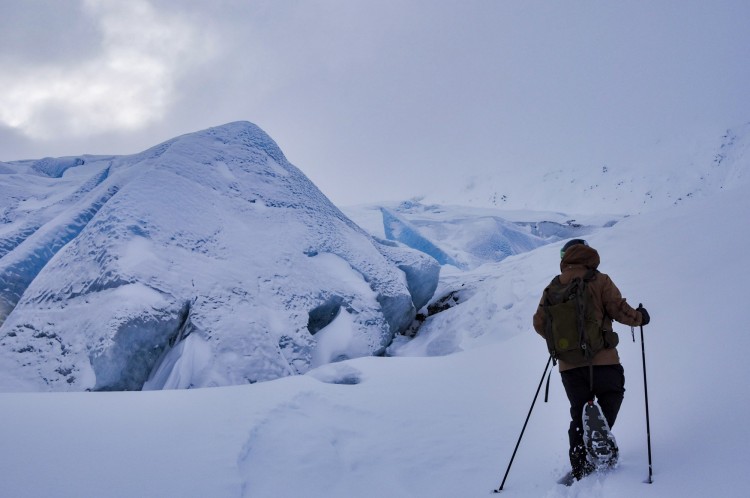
[[207, 260], [467, 237]]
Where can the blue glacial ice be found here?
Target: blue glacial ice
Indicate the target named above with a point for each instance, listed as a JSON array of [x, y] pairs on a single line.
[[207, 260]]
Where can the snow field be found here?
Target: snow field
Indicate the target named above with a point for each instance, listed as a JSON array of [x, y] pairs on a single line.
[[444, 426]]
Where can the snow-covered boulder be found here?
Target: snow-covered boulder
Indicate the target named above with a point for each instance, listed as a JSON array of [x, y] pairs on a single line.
[[208, 260]]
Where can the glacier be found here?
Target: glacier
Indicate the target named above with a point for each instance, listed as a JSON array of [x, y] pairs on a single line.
[[465, 237], [207, 260]]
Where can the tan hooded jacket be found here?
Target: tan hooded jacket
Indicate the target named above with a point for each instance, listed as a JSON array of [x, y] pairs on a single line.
[[608, 302]]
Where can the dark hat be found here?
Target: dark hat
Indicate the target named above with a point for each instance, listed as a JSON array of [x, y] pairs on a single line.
[[570, 244]]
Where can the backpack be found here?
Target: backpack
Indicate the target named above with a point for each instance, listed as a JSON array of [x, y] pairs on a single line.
[[573, 333]]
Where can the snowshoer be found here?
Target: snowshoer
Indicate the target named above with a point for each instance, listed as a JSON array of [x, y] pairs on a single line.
[[594, 370]]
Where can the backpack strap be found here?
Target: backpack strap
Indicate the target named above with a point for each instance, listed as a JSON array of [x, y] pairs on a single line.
[[588, 277], [548, 320], [580, 289], [546, 390]]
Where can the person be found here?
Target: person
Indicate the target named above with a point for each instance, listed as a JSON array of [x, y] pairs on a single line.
[[578, 259]]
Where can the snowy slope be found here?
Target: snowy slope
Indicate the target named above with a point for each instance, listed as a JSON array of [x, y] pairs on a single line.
[[666, 172], [440, 426], [207, 260]]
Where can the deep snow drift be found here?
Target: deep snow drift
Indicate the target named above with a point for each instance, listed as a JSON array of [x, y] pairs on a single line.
[[208, 260]]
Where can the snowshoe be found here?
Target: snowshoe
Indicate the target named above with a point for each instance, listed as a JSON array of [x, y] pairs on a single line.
[[600, 444]]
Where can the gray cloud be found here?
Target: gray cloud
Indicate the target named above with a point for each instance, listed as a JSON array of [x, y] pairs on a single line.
[[45, 32], [124, 85], [384, 100]]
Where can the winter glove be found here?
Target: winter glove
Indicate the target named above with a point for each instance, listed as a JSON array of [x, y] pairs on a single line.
[[644, 315]]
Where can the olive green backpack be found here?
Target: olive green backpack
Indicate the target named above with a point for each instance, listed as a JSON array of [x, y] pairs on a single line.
[[573, 333]]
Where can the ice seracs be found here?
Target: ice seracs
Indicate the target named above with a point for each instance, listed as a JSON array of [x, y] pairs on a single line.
[[207, 260]]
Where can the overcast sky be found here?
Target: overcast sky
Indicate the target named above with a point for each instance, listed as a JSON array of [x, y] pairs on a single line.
[[374, 100]]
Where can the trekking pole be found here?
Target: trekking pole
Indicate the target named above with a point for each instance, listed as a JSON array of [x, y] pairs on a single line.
[[648, 425], [524, 426]]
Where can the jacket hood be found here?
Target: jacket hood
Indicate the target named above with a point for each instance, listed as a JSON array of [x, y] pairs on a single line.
[[580, 255]]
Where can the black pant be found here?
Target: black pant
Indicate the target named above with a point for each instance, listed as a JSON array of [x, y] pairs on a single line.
[[609, 389]]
